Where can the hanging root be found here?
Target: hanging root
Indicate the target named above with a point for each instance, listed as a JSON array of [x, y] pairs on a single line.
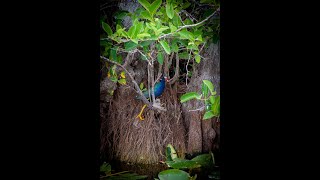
[[126, 138]]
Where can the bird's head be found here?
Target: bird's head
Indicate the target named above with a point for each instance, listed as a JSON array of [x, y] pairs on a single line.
[[166, 79]]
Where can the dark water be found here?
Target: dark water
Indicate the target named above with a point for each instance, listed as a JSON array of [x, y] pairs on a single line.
[[151, 170]]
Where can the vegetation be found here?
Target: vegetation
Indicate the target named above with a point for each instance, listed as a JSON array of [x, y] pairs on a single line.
[[165, 37]]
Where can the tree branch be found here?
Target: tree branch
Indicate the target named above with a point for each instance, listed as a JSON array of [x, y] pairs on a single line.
[[169, 34], [138, 90]]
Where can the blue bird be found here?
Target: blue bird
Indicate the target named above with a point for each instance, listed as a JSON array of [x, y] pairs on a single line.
[[158, 90]]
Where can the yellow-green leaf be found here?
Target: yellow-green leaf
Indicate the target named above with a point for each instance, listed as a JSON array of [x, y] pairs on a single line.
[[142, 35], [146, 15], [145, 4], [197, 58], [172, 27], [123, 74], [141, 86], [208, 115], [154, 6], [122, 81], [165, 46], [188, 96], [209, 85]]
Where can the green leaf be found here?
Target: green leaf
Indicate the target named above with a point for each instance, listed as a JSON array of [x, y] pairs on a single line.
[[154, 6], [171, 153], [174, 47], [146, 15], [216, 106], [105, 167], [211, 99], [186, 5], [169, 10], [185, 164], [206, 1], [165, 46], [160, 57], [132, 31], [197, 58], [163, 28], [146, 43], [172, 27], [141, 85], [210, 85], [176, 21], [184, 34], [122, 81], [145, 4], [107, 28], [119, 59], [188, 96], [205, 160], [208, 115], [173, 174], [142, 35], [130, 45], [139, 29], [184, 55], [113, 53], [120, 14], [205, 90]]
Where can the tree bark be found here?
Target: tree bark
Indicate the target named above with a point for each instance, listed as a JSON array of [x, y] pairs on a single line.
[[201, 133]]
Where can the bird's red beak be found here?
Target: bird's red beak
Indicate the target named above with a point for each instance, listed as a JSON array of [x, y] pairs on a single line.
[[166, 79]]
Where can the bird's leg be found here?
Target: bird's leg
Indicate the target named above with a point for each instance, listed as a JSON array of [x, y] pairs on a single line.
[[140, 114]]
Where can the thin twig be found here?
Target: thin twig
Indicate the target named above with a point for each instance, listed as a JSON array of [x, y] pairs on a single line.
[[199, 109], [138, 90], [176, 74]]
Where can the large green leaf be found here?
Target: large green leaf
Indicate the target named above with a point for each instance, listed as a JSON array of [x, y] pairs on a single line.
[[197, 58], [185, 164], [146, 15], [165, 46], [173, 174], [176, 21], [160, 57], [205, 160], [107, 28], [210, 85], [130, 45], [145, 4], [208, 115], [184, 34], [113, 53], [169, 10], [143, 35], [131, 31], [216, 106], [154, 6], [184, 55], [188, 96]]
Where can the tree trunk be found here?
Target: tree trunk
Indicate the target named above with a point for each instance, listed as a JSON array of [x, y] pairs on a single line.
[[201, 133]]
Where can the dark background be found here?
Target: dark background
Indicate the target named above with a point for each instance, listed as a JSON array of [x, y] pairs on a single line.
[[50, 83]]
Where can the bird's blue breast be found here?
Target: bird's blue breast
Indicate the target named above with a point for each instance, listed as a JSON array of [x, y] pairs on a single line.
[[158, 89]]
